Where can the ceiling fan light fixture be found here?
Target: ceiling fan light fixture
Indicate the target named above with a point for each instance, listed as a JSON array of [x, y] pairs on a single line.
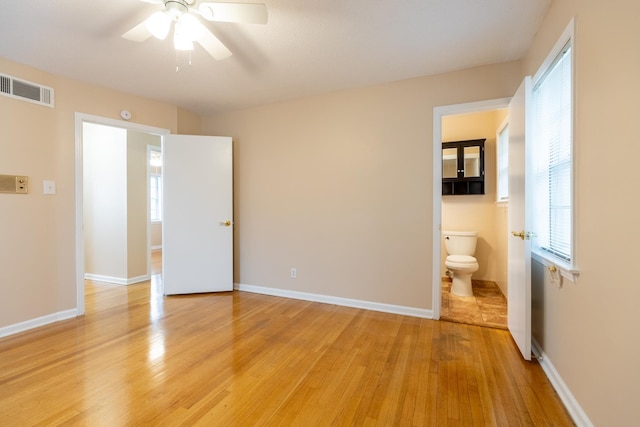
[[176, 8], [158, 25], [191, 27], [181, 39]]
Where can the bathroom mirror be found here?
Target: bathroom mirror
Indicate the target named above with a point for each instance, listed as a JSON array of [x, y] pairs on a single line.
[[450, 163], [472, 162]]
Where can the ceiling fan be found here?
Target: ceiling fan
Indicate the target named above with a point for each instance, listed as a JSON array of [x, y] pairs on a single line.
[[187, 28]]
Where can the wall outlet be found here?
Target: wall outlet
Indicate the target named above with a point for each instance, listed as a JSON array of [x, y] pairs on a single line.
[[294, 273]]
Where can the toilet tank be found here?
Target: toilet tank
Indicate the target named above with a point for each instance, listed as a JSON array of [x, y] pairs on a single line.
[[460, 242]]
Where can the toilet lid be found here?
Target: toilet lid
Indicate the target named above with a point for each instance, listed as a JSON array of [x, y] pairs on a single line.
[[461, 259]]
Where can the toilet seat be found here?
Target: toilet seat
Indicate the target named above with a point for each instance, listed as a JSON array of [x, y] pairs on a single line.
[[461, 261]]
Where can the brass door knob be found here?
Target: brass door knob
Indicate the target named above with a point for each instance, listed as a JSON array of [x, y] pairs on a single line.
[[520, 234], [226, 223]]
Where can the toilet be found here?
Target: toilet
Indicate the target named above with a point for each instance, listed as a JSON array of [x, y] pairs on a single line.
[[461, 245]]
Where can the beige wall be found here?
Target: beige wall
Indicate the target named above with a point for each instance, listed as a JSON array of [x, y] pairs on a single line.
[[36, 229], [189, 123], [589, 329], [478, 213], [340, 186], [156, 235]]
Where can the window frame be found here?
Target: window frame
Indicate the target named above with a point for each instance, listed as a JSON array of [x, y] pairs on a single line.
[[158, 177], [568, 268], [500, 168]]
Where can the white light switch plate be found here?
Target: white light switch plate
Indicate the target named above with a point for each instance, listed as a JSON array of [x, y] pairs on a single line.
[[49, 187]]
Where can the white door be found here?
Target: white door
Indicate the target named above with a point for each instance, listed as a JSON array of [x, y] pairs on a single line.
[[197, 227], [519, 247]]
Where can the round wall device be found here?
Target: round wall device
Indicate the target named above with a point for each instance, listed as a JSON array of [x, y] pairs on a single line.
[[125, 114]]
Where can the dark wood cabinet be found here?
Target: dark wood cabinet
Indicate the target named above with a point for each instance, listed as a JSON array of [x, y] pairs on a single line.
[[463, 167]]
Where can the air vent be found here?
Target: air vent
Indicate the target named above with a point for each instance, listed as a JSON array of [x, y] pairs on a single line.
[[25, 90]]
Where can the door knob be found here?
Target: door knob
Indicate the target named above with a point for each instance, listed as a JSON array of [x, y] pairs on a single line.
[[520, 234], [226, 223]]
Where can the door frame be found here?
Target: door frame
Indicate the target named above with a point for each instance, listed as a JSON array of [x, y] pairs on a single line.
[[80, 119], [438, 114]]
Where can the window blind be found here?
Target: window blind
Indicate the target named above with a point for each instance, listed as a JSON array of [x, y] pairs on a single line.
[[552, 158], [155, 197]]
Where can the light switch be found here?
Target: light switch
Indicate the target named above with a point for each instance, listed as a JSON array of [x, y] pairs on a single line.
[[49, 187]]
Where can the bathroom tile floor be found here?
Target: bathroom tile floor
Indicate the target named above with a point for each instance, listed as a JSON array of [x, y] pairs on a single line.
[[487, 307]]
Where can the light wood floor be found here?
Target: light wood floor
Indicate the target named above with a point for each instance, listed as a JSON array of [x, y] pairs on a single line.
[[242, 359]]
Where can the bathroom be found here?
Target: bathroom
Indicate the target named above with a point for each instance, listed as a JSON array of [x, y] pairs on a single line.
[[481, 213]]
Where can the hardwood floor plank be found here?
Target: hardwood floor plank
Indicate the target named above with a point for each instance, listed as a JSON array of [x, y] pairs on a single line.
[[241, 359]]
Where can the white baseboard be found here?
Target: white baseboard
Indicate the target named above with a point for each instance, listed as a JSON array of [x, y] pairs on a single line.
[[575, 410], [346, 302], [36, 323], [116, 280]]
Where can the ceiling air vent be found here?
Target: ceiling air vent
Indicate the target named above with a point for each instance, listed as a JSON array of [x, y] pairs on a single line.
[[25, 90]]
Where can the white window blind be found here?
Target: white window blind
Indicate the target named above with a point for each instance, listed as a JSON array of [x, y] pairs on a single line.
[[552, 159], [503, 164], [155, 184], [155, 197]]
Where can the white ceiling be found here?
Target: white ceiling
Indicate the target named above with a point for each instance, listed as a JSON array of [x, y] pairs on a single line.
[[308, 46]]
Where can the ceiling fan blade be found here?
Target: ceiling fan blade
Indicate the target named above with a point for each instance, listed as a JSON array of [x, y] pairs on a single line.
[[139, 33], [211, 44], [246, 13]]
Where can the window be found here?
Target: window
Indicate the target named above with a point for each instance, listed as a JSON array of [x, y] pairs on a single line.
[[503, 163], [552, 152], [155, 184], [155, 196]]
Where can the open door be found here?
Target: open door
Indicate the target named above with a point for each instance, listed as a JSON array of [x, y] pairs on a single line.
[[519, 246], [197, 228]]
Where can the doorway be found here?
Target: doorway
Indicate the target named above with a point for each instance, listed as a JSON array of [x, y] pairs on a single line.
[[440, 116], [479, 212], [80, 120]]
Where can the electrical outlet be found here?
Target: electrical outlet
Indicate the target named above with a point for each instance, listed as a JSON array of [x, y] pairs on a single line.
[[294, 273]]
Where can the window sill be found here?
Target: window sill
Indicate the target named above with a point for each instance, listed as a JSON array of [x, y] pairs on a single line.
[[567, 271]]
